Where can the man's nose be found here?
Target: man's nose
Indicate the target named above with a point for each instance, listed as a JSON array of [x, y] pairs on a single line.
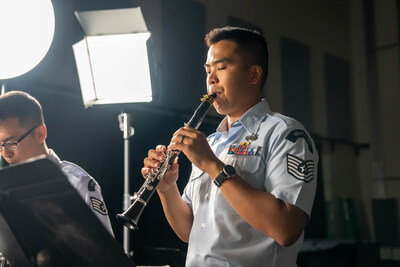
[[212, 78]]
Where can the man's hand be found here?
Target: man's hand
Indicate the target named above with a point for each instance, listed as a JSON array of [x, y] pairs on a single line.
[[196, 148], [153, 161], [177, 212]]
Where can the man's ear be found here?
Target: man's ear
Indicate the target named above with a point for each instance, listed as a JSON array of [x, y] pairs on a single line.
[[42, 133], [256, 74]]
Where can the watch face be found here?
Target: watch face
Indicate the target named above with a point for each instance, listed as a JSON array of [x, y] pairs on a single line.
[[230, 170]]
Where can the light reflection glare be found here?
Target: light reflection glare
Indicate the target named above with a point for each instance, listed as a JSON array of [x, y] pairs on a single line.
[[26, 33]]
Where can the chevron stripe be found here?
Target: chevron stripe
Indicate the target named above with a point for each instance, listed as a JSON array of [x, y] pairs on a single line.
[[300, 169], [99, 205]]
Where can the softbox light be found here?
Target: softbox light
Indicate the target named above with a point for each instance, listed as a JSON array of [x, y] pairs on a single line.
[[112, 58]]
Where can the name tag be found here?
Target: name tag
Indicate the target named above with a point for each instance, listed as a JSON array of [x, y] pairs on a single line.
[[244, 148]]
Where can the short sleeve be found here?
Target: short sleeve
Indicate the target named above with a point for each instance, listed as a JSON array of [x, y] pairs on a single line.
[[90, 191], [292, 166]]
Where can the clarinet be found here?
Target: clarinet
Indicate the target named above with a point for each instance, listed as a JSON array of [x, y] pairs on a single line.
[[131, 216]]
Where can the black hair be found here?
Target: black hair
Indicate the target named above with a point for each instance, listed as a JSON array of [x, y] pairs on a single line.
[[250, 42], [22, 106]]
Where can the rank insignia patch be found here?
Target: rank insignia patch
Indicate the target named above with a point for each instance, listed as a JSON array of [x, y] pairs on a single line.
[[300, 169], [244, 148], [98, 205]]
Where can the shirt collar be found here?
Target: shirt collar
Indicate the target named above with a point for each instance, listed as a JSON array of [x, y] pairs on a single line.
[[53, 156], [250, 120]]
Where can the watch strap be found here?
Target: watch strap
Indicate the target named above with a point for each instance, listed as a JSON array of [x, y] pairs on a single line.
[[227, 172], [220, 179]]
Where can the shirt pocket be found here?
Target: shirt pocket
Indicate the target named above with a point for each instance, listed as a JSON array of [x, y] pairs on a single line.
[[244, 163], [242, 167], [250, 168]]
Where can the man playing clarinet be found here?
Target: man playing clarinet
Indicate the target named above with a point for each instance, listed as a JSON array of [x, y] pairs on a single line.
[[253, 181]]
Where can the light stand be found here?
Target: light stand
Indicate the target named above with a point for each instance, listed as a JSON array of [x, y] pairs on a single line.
[[113, 67], [128, 131]]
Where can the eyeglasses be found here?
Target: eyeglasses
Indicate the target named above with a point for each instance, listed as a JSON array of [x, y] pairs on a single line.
[[14, 145]]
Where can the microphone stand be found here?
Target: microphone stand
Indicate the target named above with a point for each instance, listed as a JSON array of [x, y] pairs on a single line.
[[128, 131]]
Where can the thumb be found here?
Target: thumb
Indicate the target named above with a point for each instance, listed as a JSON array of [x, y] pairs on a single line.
[[174, 167]]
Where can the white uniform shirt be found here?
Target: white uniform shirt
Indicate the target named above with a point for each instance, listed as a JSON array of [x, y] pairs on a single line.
[[87, 188], [284, 164]]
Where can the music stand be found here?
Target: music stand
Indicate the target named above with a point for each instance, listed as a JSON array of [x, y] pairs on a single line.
[[45, 222]]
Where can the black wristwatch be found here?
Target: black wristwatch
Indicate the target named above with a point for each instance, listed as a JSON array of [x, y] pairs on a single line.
[[227, 172]]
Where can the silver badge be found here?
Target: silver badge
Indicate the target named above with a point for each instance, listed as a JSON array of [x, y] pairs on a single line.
[[252, 137]]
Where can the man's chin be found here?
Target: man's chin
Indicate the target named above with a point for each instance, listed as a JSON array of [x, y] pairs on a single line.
[[218, 107], [9, 161], [221, 111], [12, 160]]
